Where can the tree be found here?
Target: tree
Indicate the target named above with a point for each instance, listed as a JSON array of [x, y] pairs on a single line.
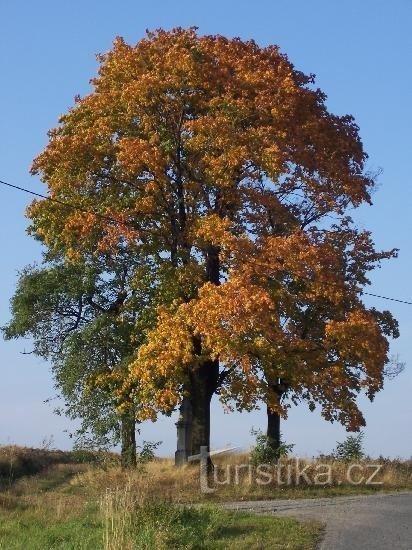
[[287, 322], [309, 321], [219, 162], [351, 449], [81, 317]]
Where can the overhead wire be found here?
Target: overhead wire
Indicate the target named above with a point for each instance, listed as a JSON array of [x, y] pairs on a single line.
[[113, 220]]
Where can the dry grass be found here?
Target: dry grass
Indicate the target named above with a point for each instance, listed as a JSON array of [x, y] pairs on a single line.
[[61, 500], [85, 506], [183, 485], [93, 474], [132, 521]]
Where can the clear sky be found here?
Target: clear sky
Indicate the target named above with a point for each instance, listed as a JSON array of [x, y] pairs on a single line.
[[361, 52]]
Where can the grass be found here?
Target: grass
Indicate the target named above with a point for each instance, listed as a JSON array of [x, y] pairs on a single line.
[[17, 462], [161, 527], [32, 531], [80, 501], [131, 523], [182, 485], [47, 511]]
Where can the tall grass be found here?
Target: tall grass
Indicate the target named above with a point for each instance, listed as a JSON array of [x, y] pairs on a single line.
[[182, 485], [117, 509], [93, 504], [132, 520]]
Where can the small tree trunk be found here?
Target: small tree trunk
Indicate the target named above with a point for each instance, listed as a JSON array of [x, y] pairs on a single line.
[[273, 428], [128, 434], [277, 389]]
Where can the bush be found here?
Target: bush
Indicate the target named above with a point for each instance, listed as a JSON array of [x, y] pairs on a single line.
[[350, 449], [84, 456], [17, 462], [147, 451], [266, 451]]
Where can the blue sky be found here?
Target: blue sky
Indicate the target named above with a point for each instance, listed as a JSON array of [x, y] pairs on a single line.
[[361, 52]]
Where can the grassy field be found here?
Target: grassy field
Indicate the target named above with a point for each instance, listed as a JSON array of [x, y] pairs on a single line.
[[55, 500]]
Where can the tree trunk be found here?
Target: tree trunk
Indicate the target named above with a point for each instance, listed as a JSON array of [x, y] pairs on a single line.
[[128, 435], [277, 387], [204, 379], [203, 383], [273, 428], [193, 426]]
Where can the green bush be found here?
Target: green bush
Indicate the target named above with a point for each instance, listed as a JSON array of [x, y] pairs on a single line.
[[350, 449], [267, 451], [147, 451]]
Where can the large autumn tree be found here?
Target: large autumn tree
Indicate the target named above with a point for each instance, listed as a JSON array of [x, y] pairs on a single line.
[[218, 162]]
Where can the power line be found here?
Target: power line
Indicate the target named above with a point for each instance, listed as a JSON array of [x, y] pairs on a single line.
[[66, 204], [108, 218], [387, 298]]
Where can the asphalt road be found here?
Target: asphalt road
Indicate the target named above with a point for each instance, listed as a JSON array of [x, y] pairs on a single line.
[[376, 522]]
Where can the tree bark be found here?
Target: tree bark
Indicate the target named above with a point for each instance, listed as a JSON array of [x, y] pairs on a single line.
[[273, 428], [204, 378], [128, 436], [203, 383], [277, 389]]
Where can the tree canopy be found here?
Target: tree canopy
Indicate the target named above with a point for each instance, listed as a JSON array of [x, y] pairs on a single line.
[[218, 163], [83, 318]]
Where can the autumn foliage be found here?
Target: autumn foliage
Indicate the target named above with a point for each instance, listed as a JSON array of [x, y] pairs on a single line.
[[219, 165]]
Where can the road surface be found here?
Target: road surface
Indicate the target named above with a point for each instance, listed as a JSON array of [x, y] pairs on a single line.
[[367, 522]]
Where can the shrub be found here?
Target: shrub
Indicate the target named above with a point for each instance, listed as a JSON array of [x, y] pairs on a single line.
[[147, 451], [350, 449], [267, 451]]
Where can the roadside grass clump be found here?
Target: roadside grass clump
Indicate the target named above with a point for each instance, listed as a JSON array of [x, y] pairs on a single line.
[[131, 520]]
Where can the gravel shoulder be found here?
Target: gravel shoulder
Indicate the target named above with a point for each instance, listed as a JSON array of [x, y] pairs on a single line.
[[378, 522]]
